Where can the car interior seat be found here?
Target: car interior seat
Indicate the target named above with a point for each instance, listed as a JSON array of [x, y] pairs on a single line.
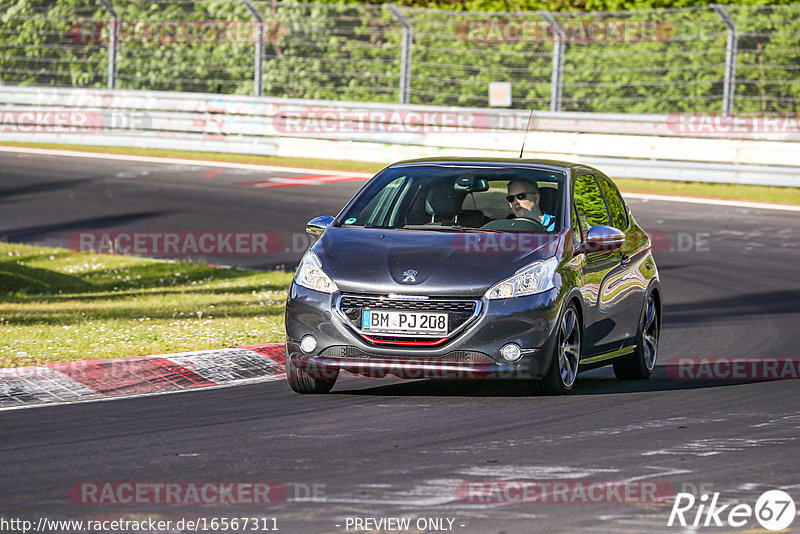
[[443, 203], [548, 198]]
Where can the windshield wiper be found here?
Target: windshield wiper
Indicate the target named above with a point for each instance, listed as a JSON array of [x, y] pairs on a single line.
[[453, 228]]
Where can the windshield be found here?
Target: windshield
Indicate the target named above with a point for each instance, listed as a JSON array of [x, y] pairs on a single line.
[[459, 197]]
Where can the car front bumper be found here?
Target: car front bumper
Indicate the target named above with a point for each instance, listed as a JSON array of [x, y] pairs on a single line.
[[473, 352]]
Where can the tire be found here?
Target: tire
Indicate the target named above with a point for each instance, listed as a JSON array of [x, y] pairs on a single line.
[[566, 357], [302, 382], [640, 365]]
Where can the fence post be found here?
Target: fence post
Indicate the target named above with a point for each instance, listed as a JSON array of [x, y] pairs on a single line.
[[258, 69], [731, 47], [557, 79], [405, 53], [112, 44]]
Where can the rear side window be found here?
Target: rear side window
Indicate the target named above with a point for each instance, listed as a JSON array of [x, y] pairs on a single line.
[[589, 202], [616, 207], [577, 229], [380, 207]]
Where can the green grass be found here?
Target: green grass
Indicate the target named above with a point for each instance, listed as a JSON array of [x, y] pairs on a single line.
[[59, 305], [752, 193]]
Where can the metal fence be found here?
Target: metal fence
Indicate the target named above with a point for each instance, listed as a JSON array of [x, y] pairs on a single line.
[[731, 58]]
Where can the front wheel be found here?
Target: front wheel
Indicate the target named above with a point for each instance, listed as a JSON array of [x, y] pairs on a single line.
[[566, 358], [302, 382], [640, 365]]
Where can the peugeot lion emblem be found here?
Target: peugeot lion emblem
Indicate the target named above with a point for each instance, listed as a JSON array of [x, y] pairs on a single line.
[[410, 275]]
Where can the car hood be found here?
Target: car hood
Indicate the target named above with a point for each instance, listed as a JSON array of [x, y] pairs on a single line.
[[371, 260]]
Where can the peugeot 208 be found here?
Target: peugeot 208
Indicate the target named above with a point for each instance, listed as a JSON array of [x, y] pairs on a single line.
[[467, 268]]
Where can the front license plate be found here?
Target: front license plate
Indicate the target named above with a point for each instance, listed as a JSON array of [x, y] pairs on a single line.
[[404, 322]]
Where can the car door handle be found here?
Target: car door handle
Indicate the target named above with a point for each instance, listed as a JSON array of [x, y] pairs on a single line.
[[625, 259]]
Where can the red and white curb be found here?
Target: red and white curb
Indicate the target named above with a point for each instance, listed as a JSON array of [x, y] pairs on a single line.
[[146, 375]]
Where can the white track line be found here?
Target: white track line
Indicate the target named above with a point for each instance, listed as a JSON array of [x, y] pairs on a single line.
[[180, 161], [250, 166]]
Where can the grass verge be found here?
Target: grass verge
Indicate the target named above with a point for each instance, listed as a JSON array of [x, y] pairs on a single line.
[[752, 193], [59, 305]]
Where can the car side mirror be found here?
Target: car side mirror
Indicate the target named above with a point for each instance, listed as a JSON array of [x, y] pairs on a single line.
[[603, 238], [317, 225]]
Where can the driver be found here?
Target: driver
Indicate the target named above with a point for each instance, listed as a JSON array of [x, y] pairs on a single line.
[[523, 197]]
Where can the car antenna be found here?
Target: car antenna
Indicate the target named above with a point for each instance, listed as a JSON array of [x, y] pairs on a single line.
[[526, 133]]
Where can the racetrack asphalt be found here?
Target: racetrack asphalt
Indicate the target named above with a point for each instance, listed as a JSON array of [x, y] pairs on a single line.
[[388, 448]]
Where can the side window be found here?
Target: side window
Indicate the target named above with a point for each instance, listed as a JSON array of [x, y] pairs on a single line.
[[578, 231], [375, 213], [589, 202], [616, 207]]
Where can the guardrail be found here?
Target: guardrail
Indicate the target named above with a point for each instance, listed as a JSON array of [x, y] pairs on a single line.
[[693, 147]]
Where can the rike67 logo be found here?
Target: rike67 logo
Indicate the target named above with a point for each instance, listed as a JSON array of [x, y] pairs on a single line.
[[774, 510]]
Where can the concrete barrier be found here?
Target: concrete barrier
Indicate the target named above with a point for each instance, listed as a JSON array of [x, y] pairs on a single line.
[[693, 147]]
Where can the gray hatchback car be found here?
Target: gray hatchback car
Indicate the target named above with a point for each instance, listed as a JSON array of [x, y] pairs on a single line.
[[519, 269]]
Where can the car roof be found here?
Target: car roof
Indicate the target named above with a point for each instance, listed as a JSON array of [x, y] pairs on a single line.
[[551, 165]]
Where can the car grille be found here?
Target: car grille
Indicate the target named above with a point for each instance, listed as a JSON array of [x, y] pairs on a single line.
[[459, 312], [440, 305]]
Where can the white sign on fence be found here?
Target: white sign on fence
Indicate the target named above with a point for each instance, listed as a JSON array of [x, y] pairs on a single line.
[[499, 94]]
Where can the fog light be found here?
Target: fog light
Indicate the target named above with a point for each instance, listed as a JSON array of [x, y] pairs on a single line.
[[511, 352], [308, 344]]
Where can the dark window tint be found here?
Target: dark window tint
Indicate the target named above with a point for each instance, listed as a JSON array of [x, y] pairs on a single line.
[[619, 216], [589, 202]]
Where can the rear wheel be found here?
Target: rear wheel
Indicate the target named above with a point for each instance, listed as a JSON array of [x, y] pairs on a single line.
[[640, 365], [564, 367], [302, 382]]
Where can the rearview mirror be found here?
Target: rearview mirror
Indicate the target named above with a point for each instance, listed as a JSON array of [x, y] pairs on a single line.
[[603, 238], [317, 225], [471, 184]]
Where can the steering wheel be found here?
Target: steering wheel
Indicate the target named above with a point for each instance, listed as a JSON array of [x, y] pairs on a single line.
[[523, 224], [533, 222]]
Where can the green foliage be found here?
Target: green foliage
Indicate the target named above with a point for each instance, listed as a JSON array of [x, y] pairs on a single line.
[[36, 48], [769, 59], [332, 52], [591, 209], [562, 5], [344, 51], [182, 57]]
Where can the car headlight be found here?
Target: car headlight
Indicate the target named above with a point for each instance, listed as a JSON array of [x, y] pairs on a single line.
[[535, 278], [311, 275]]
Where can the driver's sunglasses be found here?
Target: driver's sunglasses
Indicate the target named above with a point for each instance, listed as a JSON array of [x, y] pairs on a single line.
[[518, 196]]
